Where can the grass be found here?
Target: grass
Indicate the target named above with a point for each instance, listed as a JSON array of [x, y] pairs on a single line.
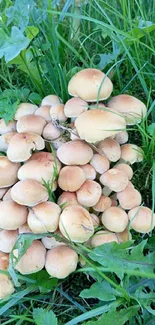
[[117, 37]]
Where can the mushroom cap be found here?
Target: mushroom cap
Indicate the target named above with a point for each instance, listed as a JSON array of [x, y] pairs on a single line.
[[115, 179], [22, 144], [2, 192], [74, 107], [110, 148], [57, 112], [44, 217], [12, 215], [71, 178], [31, 123], [124, 236], [5, 139], [51, 242], [25, 109], [142, 219], [29, 192], [66, 199], [115, 219], [89, 193], [95, 220], [75, 152], [131, 153], [125, 168], [44, 111], [4, 261], [61, 261], [89, 171], [90, 85], [76, 224], [51, 132], [6, 286], [100, 163], [129, 198], [102, 237], [103, 204], [8, 172], [33, 260], [122, 137], [50, 100], [24, 229], [130, 107], [7, 195], [5, 128], [8, 239], [98, 124]]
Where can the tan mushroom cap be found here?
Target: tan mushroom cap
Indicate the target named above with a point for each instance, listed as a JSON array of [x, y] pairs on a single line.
[[74, 107], [102, 237], [100, 163], [61, 261], [12, 215], [24, 229], [8, 172], [5, 139], [33, 260], [89, 193], [131, 153], [2, 192], [124, 236], [89, 171], [57, 112], [114, 179], [76, 224], [7, 195], [98, 124], [142, 219], [8, 239], [90, 85], [110, 148], [95, 220], [115, 219], [66, 199], [4, 261], [103, 204], [75, 153], [31, 124], [71, 178], [129, 198], [125, 168], [44, 217], [40, 167], [22, 144], [122, 137], [50, 100], [51, 132], [5, 128], [51, 242], [29, 192], [6, 286], [44, 111], [130, 107], [25, 109]]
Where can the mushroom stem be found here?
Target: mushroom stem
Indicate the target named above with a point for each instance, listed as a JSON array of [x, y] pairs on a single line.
[[76, 22]]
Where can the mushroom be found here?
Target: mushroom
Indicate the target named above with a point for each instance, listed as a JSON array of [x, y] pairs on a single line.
[[22, 144], [95, 220], [4, 261], [89, 171], [44, 111], [89, 193], [6, 286], [122, 137], [130, 107], [51, 242], [51, 132], [33, 260], [29, 192], [74, 107], [24, 229], [7, 195], [8, 172], [110, 148], [44, 217], [100, 163], [57, 112], [98, 124], [102, 237], [103, 204], [66, 199], [2, 192], [115, 179], [8, 239], [124, 236], [75, 153], [76, 224], [74, 135], [142, 219], [131, 153], [25, 109], [125, 168], [129, 198], [50, 100], [114, 219], [12, 215], [71, 178], [5, 128], [5, 139], [31, 124], [61, 261], [90, 85]]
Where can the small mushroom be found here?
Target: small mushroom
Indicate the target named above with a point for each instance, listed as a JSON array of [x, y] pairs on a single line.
[[5, 139], [5, 128], [95, 220], [51, 132], [89, 193], [103, 204], [57, 112], [124, 236], [25, 109], [75, 153], [66, 199], [8, 172], [24, 229], [4, 261], [100, 163], [125, 168], [74, 107], [115, 219], [122, 137], [129, 198], [110, 148], [50, 100], [89, 171], [142, 219], [8, 239], [12, 215], [131, 153], [71, 178], [31, 124], [44, 111], [51, 242], [115, 179], [102, 237]]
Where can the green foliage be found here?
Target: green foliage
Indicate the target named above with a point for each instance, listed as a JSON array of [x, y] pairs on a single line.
[[42, 316], [100, 290]]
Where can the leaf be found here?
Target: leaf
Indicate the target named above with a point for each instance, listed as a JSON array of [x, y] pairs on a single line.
[[11, 46], [19, 13], [44, 281], [43, 317], [151, 129], [145, 299], [31, 32], [100, 290]]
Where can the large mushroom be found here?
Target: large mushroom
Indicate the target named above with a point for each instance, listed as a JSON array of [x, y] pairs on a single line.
[[31, 124], [8, 172]]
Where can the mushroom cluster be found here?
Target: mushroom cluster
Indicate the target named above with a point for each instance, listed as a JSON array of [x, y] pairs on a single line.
[[89, 169]]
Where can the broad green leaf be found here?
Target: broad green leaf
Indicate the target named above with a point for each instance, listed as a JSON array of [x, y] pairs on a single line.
[[31, 32], [19, 13], [145, 299], [151, 129], [43, 281], [100, 290], [44, 317]]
